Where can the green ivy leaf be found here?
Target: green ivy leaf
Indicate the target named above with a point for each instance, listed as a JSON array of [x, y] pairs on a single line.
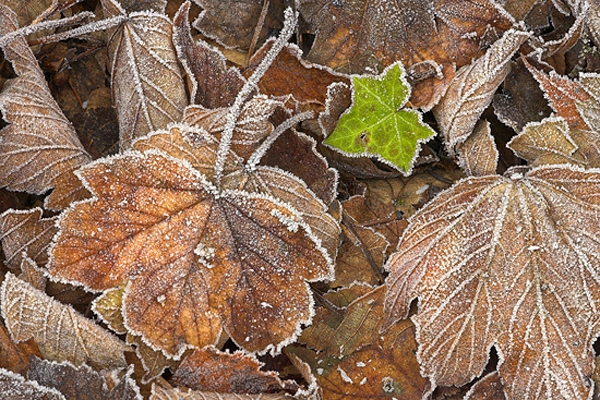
[[377, 126]]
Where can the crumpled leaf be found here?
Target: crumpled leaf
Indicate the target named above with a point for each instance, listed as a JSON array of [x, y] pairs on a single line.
[[147, 83], [14, 386], [60, 332], [429, 37], [161, 393], [473, 87], [211, 370], [197, 260], [211, 83], [40, 148], [81, 383], [478, 155], [375, 125], [355, 360], [26, 231], [503, 261]]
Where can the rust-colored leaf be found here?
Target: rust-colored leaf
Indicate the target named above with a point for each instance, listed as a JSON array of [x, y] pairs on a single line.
[[197, 260], [147, 82], [503, 261], [211, 370], [478, 154], [355, 360], [59, 331], [14, 386], [40, 148], [81, 383], [25, 231], [428, 37], [473, 87], [15, 356]]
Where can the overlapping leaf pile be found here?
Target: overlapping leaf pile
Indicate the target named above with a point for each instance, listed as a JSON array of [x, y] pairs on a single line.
[[266, 226]]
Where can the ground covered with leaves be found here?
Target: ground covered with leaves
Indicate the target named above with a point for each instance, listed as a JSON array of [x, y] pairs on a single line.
[[312, 199]]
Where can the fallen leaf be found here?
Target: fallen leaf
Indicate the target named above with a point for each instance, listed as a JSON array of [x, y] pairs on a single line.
[[589, 108], [355, 360], [15, 356], [473, 87], [147, 83], [478, 155], [429, 38], [211, 370], [196, 259], [487, 388], [154, 362], [26, 231], [376, 125], [14, 386], [160, 393], [82, 382], [211, 83], [486, 275], [32, 274], [40, 148], [60, 332], [108, 307]]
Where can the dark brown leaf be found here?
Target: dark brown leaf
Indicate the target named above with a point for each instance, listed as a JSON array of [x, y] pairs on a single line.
[[15, 387]]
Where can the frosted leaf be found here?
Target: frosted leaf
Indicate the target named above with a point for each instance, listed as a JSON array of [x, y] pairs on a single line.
[[161, 393], [161, 211], [473, 87], [39, 148], [478, 155], [60, 332], [25, 231], [146, 80], [504, 262], [14, 386], [590, 108]]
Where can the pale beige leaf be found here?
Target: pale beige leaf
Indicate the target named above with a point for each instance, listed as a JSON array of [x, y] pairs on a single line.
[[478, 155], [590, 108], [147, 82], [161, 393], [39, 148], [473, 87], [60, 332], [14, 387], [26, 231], [511, 262]]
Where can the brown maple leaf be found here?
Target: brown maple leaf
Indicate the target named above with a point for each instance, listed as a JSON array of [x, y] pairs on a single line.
[[503, 261]]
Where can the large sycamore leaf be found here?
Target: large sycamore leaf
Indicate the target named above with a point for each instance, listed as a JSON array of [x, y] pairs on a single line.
[[61, 333], [503, 261], [197, 260], [376, 125], [147, 82], [40, 148]]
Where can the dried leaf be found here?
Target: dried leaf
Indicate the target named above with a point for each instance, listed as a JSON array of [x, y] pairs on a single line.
[[15, 387], [487, 388], [589, 108], [478, 155], [503, 261], [108, 307], [563, 95], [60, 332], [160, 393], [197, 260], [40, 147], [148, 85], [212, 84], [81, 383], [153, 362], [15, 356], [428, 37], [25, 231], [473, 88], [377, 125], [32, 274], [356, 361], [211, 370]]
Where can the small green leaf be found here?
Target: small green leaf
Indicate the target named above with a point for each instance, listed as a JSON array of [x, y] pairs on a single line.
[[376, 125]]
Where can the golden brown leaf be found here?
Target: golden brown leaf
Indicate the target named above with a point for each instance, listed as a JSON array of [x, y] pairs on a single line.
[[15, 356], [473, 87], [153, 362], [14, 386], [147, 82], [59, 331], [32, 274], [211, 370], [40, 148], [25, 231], [355, 360], [429, 37], [503, 261], [197, 260], [161, 393], [108, 307], [478, 155]]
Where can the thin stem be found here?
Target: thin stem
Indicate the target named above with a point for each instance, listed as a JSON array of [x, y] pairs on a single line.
[[291, 18], [258, 29], [85, 29], [268, 142]]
